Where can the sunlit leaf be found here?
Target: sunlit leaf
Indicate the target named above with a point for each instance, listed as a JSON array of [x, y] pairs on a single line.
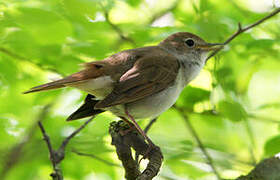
[[192, 95], [272, 146], [232, 110]]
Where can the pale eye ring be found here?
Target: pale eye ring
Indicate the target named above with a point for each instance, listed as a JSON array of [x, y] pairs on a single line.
[[190, 42]]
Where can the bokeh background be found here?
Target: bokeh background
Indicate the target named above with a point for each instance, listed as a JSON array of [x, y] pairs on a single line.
[[233, 104]]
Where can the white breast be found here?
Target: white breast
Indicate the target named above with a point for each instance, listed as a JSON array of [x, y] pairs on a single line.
[[152, 106]]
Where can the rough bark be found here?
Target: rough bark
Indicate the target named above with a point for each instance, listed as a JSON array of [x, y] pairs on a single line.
[[268, 169], [124, 138]]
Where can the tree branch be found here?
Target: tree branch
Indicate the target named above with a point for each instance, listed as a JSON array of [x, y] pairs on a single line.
[[96, 157], [241, 30], [56, 156], [131, 139], [268, 169], [73, 134], [195, 135], [57, 174]]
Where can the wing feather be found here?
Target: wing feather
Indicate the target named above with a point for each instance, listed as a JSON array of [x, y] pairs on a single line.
[[149, 75]]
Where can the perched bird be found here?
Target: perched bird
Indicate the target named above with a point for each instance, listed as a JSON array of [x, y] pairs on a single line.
[[138, 83]]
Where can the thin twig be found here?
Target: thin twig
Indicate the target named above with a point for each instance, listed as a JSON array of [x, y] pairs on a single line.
[[56, 156], [195, 135], [118, 30], [152, 121], [163, 12], [96, 157], [57, 174], [67, 139], [241, 30]]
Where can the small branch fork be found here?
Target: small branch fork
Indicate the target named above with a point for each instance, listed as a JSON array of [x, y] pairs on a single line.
[[241, 30], [56, 156]]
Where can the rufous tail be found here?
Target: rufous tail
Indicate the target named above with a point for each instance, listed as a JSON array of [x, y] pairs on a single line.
[[47, 86], [92, 70]]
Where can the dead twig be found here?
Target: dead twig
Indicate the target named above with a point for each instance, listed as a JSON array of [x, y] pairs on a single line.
[[56, 156]]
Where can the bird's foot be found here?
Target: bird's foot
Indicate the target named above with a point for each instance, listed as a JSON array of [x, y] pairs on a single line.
[[126, 131], [149, 150], [129, 127]]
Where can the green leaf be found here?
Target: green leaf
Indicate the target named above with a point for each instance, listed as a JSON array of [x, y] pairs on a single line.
[[225, 78], [186, 168], [192, 95], [232, 110], [133, 2], [272, 146], [46, 27], [203, 5], [79, 9], [261, 43]]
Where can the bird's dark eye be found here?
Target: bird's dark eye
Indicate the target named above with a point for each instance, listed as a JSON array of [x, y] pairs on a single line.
[[189, 42]]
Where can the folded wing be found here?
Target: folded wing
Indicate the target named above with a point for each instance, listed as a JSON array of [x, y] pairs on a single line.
[[149, 75]]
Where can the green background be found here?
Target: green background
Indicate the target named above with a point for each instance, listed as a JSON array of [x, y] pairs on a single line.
[[233, 104]]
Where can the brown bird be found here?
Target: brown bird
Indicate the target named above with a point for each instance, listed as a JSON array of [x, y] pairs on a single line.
[[138, 83]]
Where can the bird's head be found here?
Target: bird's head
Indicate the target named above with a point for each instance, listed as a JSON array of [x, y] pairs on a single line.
[[189, 47]]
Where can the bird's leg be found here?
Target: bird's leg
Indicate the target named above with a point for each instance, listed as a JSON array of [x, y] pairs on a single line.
[[130, 124], [150, 143]]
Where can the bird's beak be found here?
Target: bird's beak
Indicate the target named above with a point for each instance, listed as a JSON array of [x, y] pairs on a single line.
[[211, 46]]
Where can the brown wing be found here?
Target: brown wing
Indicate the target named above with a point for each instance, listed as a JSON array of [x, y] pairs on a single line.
[[149, 75]]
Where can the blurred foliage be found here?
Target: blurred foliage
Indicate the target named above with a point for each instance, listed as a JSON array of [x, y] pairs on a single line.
[[233, 104]]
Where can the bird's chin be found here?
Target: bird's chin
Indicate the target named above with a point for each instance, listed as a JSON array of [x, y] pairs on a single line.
[[204, 56]]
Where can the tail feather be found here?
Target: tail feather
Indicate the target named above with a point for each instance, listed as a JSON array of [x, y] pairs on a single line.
[[45, 87], [86, 110], [88, 73]]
